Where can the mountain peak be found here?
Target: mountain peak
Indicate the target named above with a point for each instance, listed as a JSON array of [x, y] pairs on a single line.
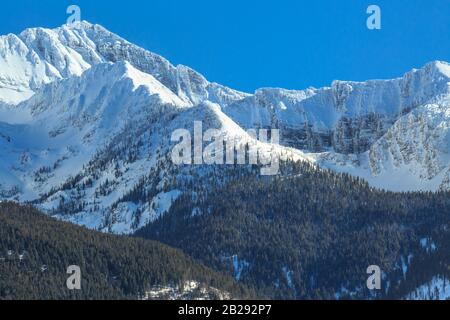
[[86, 26], [80, 25], [433, 68], [441, 66]]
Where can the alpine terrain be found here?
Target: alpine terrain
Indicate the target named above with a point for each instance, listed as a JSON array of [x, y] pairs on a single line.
[[86, 125]]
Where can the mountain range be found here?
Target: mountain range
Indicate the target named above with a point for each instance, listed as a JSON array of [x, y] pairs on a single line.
[[68, 94], [86, 120]]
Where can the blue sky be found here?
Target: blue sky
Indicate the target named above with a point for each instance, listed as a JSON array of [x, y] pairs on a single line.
[[264, 43]]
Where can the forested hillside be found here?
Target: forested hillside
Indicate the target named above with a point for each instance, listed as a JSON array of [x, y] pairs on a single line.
[[311, 234], [35, 252]]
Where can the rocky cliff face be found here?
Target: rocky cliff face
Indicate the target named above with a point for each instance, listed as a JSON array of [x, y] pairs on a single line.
[[348, 117], [418, 141]]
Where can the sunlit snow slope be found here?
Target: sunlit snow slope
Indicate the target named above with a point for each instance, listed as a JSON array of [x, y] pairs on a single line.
[[86, 120]]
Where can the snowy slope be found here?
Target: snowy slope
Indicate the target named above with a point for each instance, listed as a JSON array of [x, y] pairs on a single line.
[[32, 59], [80, 146], [418, 142], [393, 133], [345, 115], [86, 120], [413, 155], [39, 56], [437, 289], [68, 120]]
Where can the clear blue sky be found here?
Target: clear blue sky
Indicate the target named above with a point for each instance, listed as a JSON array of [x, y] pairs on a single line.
[[247, 44]]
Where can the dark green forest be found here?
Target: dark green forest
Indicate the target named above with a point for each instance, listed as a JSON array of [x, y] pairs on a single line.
[[310, 233], [36, 250]]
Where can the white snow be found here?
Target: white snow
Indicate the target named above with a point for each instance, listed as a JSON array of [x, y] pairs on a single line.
[[437, 289], [238, 267], [428, 245], [191, 290], [289, 277], [68, 93]]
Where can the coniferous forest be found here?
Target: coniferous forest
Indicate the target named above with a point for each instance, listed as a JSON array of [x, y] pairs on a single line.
[[305, 234], [311, 234], [35, 252]]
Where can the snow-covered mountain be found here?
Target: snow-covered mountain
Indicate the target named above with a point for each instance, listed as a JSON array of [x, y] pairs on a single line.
[[86, 120], [39, 56], [344, 116], [394, 133], [80, 146]]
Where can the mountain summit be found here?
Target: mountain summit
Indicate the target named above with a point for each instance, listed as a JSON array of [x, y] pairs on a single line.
[[86, 119]]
